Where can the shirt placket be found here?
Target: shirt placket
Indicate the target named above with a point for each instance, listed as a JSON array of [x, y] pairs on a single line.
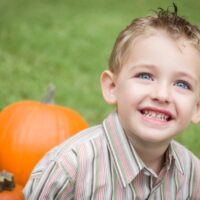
[[155, 181]]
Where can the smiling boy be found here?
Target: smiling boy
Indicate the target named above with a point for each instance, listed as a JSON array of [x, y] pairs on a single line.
[[156, 92], [154, 81]]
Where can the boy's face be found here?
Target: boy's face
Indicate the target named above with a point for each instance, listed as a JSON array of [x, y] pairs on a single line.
[[157, 89]]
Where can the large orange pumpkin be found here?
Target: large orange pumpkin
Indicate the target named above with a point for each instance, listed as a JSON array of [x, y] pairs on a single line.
[[28, 129]]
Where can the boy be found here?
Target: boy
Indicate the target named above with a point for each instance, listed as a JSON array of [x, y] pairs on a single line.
[[154, 81]]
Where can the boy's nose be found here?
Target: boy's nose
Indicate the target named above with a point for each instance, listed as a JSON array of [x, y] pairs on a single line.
[[161, 93]]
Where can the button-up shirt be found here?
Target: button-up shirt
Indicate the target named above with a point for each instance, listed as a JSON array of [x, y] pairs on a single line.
[[100, 163]]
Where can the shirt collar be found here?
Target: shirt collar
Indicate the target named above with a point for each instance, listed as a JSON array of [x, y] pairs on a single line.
[[175, 154], [127, 163]]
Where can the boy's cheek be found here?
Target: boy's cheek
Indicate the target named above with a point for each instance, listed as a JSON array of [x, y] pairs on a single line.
[[196, 114]]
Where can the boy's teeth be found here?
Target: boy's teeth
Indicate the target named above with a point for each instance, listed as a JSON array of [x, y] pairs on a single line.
[[155, 115]]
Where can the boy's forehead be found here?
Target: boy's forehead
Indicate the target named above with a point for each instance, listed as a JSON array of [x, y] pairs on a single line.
[[132, 46], [158, 33], [161, 44], [180, 42]]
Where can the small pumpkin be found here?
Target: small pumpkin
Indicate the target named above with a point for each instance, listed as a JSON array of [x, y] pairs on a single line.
[[28, 129], [8, 189], [15, 194]]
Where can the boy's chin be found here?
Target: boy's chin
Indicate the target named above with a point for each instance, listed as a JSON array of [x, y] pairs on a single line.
[[154, 137]]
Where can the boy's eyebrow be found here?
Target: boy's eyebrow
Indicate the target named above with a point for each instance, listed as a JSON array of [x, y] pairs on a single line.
[[188, 75], [143, 65]]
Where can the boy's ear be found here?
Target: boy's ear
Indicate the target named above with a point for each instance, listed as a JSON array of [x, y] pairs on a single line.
[[196, 114], [108, 87]]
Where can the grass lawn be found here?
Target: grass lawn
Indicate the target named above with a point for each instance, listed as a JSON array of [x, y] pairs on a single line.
[[67, 43]]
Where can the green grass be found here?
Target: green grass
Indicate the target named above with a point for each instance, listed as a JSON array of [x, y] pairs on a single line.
[[68, 43]]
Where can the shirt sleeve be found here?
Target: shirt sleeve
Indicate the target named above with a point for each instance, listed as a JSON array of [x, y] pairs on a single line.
[[49, 182]]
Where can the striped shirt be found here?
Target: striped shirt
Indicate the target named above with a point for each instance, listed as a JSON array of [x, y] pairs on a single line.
[[100, 163]]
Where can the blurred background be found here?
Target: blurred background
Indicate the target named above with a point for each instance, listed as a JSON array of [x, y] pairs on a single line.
[[68, 43]]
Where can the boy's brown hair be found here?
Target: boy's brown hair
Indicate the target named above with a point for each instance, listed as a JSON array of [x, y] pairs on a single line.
[[165, 20]]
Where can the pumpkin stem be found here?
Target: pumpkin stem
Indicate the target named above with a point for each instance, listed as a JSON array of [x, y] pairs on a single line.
[[6, 181], [48, 98]]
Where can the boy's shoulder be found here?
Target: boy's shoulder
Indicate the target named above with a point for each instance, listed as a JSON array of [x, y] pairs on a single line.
[[72, 147], [79, 140]]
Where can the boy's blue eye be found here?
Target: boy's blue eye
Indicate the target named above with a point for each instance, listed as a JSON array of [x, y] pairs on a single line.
[[145, 76], [183, 85]]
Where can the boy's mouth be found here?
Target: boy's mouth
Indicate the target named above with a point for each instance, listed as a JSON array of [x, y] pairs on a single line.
[[156, 114]]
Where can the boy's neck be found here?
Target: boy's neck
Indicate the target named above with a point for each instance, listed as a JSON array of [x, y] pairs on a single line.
[[152, 154]]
